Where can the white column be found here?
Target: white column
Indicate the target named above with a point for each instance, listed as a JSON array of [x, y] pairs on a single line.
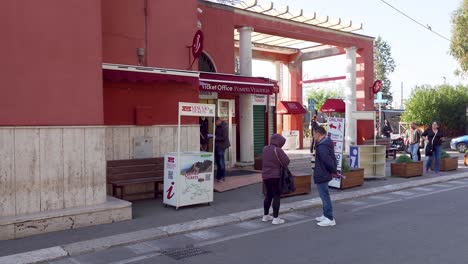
[[246, 101], [350, 98]]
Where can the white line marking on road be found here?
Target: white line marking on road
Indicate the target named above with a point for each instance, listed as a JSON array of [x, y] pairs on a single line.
[[380, 197], [442, 185], [293, 216], [142, 248], [251, 225], [354, 203], [406, 198], [135, 259], [203, 235], [423, 189], [458, 182], [403, 193]]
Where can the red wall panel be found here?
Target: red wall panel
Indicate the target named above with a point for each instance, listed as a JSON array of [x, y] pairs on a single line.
[[122, 99], [51, 62]]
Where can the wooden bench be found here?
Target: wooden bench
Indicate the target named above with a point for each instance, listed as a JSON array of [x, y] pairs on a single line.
[[389, 151], [122, 173]]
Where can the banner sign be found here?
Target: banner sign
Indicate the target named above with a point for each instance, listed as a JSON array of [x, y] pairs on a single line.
[[193, 109], [336, 133], [233, 88]]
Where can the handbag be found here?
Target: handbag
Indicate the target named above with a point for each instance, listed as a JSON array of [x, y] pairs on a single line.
[[430, 146], [287, 185]]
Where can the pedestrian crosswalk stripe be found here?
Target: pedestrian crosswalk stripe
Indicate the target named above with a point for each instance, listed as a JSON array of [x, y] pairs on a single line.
[[203, 235], [443, 185]]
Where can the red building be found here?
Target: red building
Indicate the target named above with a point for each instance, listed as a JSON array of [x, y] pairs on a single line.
[[68, 104]]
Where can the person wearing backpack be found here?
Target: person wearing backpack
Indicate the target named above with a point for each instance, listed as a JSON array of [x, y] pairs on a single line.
[[413, 138]]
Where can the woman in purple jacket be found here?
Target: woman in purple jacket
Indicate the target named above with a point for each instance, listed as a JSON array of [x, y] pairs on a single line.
[[273, 158]]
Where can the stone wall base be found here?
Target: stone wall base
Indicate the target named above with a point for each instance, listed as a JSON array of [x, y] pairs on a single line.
[[113, 210]]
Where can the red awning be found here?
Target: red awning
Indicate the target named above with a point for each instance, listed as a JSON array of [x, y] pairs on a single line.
[[236, 84], [333, 105], [141, 74], [290, 108]]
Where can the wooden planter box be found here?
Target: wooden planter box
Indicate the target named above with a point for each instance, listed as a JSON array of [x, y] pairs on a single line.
[[407, 170], [354, 178], [447, 164], [302, 182], [466, 159]]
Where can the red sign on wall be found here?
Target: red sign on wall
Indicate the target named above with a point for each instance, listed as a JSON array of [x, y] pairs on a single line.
[[197, 44]]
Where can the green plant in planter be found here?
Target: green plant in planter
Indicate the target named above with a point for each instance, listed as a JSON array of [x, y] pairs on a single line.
[[378, 137], [345, 166], [404, 159], [445, 155], [466, 152]]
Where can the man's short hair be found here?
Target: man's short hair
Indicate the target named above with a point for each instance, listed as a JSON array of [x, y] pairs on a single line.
[[320, 130]]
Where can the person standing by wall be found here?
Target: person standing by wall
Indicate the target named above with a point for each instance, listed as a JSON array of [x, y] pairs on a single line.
[[434, 137], [412, 139], [313, 126], [325, 168], [386, 129], [221, 144], [273, 158], [203, 134]]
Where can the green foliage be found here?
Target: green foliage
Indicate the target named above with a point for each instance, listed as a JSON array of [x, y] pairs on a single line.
[[443, 103], [320, 96], [383, 66], [459, 42], [404, 159], [445, 155], [345, 166], [466, 151]]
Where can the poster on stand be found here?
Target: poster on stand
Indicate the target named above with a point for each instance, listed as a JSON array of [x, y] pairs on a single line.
[[195, 185], [336, 131]]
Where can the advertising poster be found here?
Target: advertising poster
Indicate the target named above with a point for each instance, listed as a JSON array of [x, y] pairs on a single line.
[[336, 133]]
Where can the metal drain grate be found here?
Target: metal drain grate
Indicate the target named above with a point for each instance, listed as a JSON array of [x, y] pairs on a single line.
[[181, 253]]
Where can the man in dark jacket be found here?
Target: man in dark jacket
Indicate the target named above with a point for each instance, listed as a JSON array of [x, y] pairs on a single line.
[[221, 144], [325, 168]]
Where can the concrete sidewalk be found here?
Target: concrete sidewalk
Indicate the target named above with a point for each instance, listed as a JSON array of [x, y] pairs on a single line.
[[152, 219]]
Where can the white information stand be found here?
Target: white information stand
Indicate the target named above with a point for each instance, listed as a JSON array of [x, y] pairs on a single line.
[[336, 129], [189, 176]]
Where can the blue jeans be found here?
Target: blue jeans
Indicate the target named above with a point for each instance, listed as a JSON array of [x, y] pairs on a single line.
[[413, 149], [436, 155], [220, 163], [326, 201]]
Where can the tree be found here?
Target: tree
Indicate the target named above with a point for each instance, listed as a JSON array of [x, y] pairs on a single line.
[[443, 103], [459, 43], [383, 66], [321, 95]]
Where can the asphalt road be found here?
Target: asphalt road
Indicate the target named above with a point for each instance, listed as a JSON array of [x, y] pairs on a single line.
[[420, 225]]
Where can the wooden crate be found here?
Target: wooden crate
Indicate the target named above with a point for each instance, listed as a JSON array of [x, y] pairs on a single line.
[[354, 178], [407, 170], [447, 164]]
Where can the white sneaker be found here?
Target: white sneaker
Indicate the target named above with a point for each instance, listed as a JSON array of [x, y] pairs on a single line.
[[320, 218], [267, 218], [327, 222], [277, 221]]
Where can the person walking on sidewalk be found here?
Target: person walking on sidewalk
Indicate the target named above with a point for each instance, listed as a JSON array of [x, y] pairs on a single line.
[[325, 168], [434, 137], [221, 144], [273, 158], [413, 138]]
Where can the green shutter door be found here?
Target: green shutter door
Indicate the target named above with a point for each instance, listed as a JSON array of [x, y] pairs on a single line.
[[259, 128]]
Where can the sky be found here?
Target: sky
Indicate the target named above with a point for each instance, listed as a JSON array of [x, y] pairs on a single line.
[[421, 57]]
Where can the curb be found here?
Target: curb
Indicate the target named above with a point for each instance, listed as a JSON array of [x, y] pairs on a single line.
[[87, 246]]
